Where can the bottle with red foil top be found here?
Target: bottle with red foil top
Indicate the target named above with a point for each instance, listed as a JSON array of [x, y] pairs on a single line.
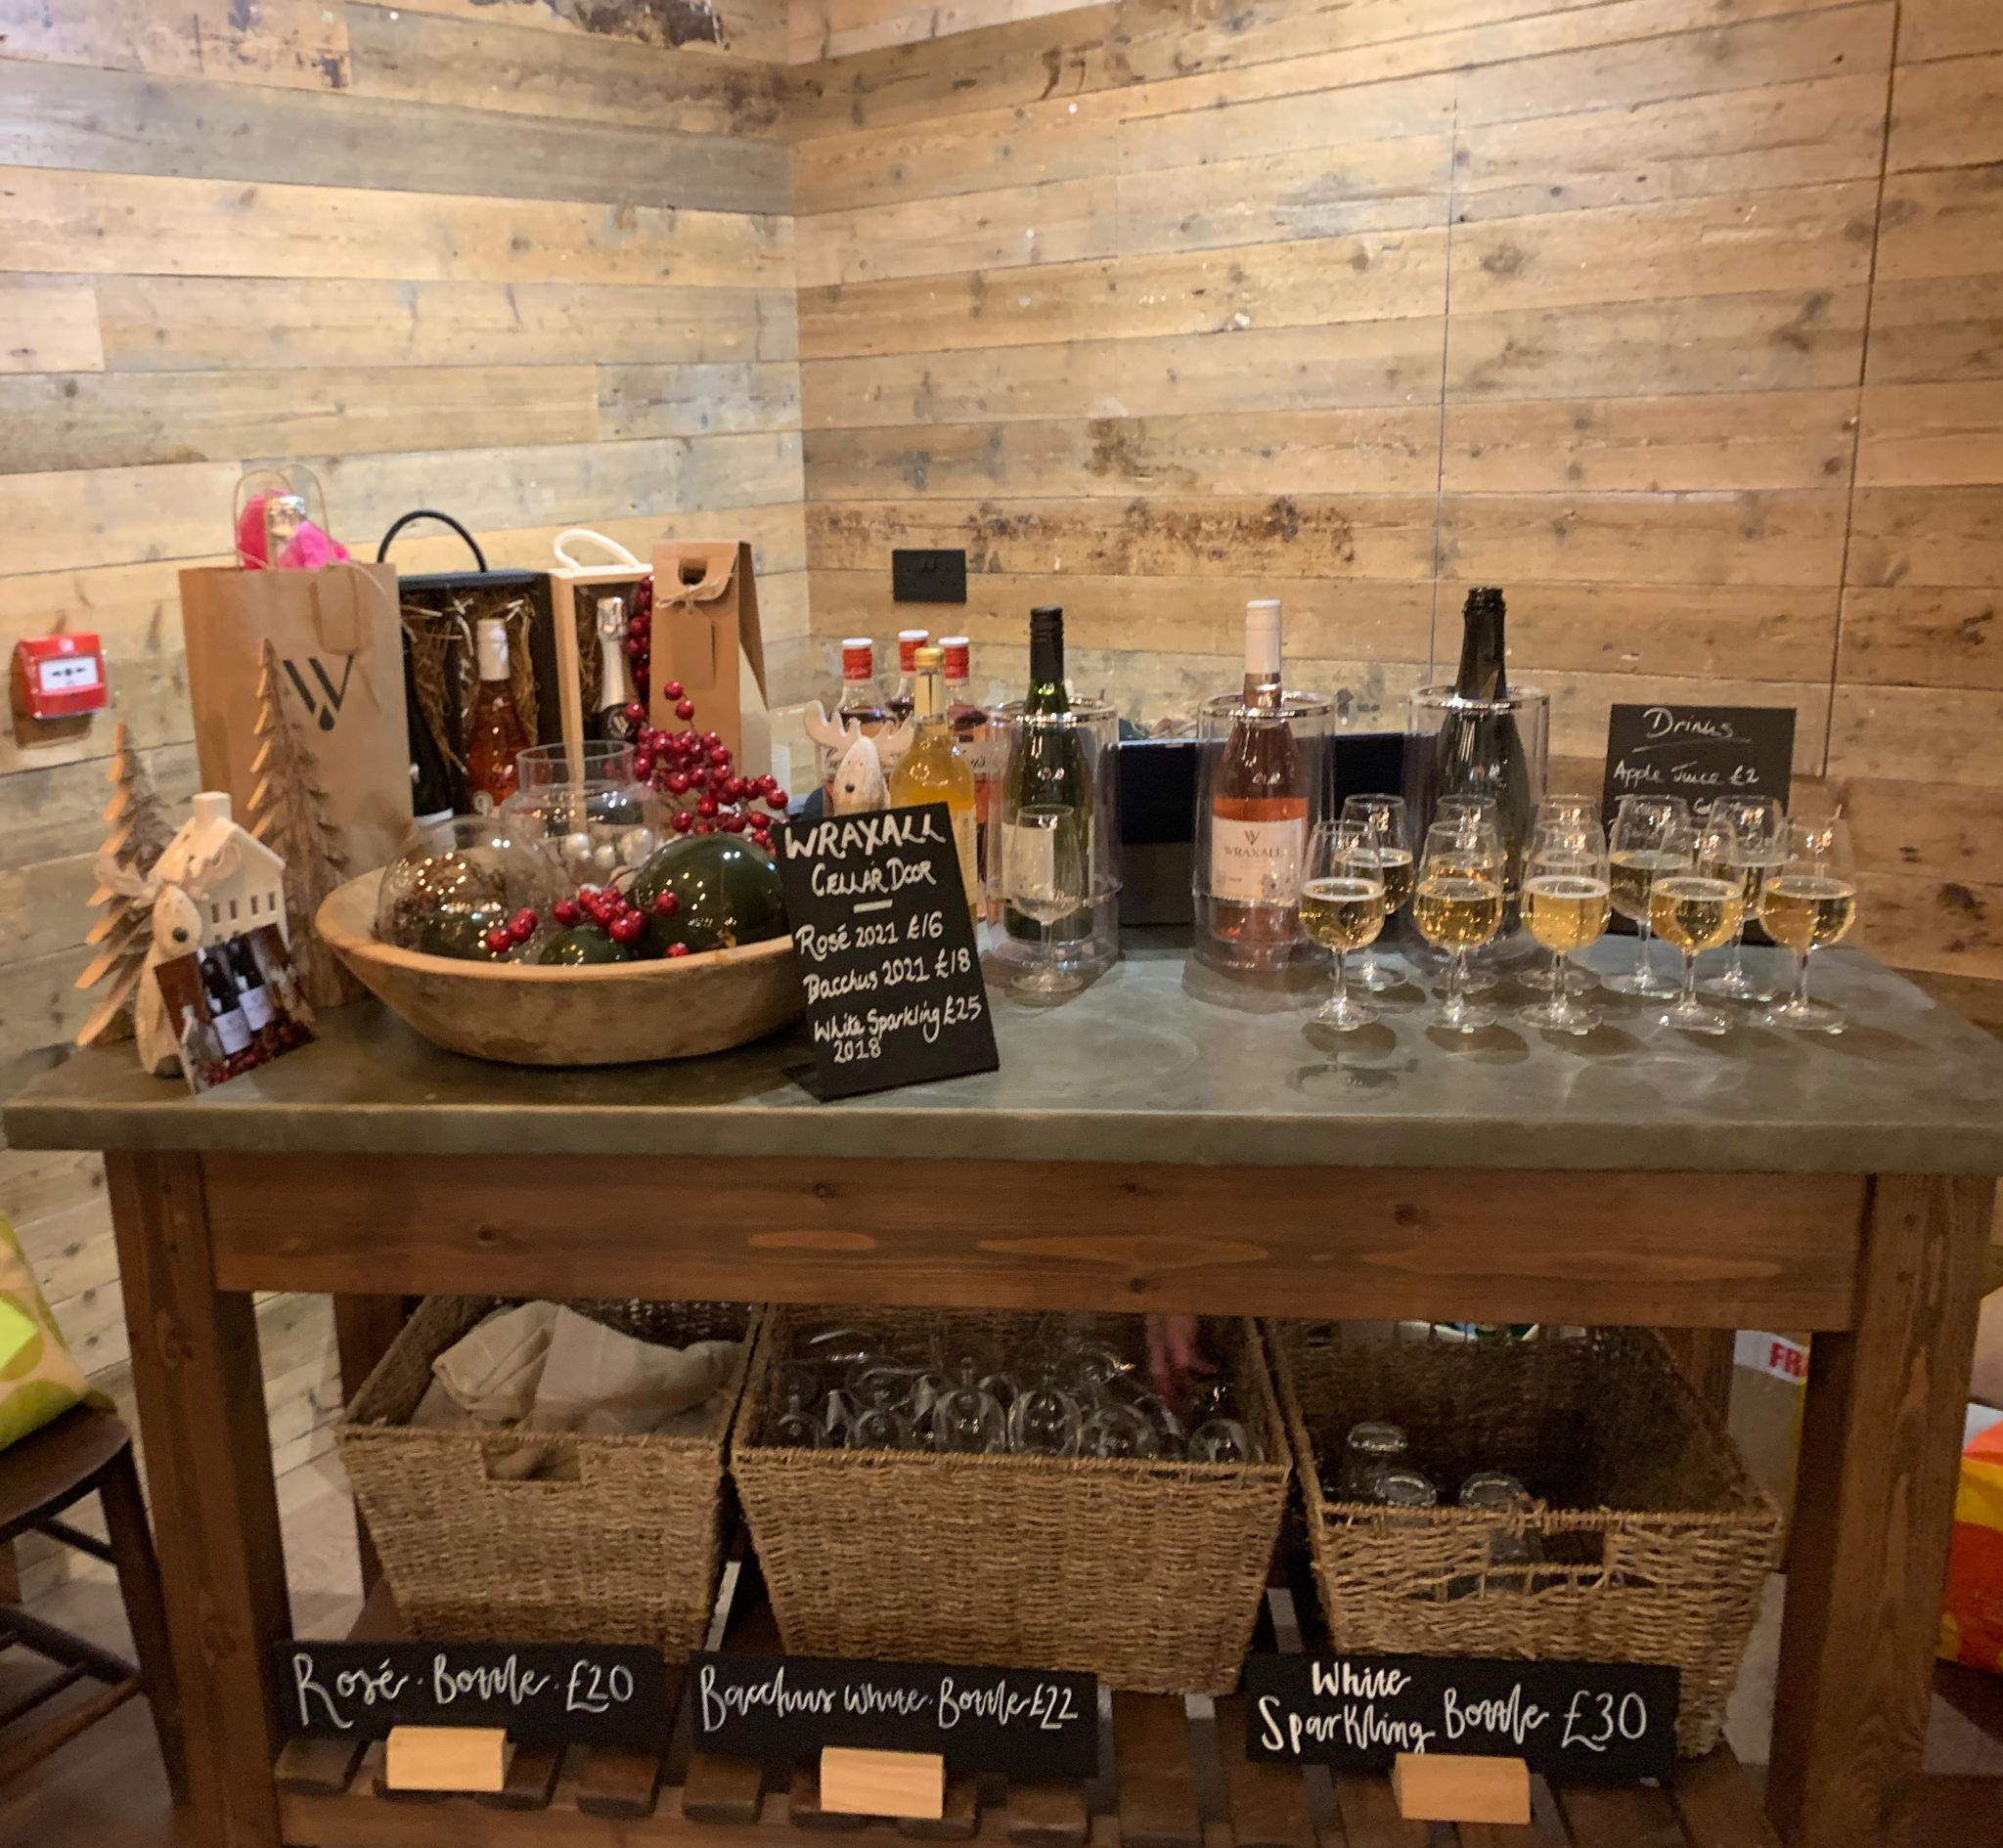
[[973, 734], [1259, 786], [902, 696]]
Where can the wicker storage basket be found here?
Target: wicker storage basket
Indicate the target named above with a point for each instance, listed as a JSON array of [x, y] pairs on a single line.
[[1655, 1543], [616, 1542], [1148, 1574]]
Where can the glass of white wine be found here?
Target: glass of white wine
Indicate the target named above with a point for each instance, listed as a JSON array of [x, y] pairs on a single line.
[[1457, 907], [1696, 912], [1566, 899], [1808, 902], [1579, 815], [1392, 820], [1343, 897], [1759, 823], [1479, 817], [1042, 874], [1644, 827]]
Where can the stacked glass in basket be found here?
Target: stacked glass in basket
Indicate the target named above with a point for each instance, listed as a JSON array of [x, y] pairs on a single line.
[[1069, 1390]]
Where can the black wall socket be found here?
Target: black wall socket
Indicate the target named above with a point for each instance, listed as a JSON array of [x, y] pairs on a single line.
[[928, 577]]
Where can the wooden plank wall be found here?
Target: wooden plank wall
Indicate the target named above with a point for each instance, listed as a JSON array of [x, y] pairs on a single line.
[[1682, 318], [522, 259]]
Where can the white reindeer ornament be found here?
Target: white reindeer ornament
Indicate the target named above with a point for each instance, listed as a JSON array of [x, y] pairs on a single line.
[[861, 764]]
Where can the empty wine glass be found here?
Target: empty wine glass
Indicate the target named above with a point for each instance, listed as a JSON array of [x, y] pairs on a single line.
[[1758, 824], [1642, 827], [1370, 1448], [1044, 1420], [1111, 1429], [1808, 903], [1457, 905], [1392, 821], [1696, 912], [1342, 909], [800, 1379], [798, 1427], [878, 1427], [967, 1418], [1566, 900], [1223, 1440], [1042, 871]]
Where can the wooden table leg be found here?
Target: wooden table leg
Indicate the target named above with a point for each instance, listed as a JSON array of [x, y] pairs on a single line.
[[363, 1329], [1874, 1501], [201, 1391]]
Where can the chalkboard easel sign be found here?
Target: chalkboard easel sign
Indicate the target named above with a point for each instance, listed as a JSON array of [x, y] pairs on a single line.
[[1699, 753], [886, 948], [1599, 1722], [1030, 1723], [540, 1693]]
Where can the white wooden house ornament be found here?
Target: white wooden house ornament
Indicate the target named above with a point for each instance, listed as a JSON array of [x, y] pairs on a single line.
[[236, 881]]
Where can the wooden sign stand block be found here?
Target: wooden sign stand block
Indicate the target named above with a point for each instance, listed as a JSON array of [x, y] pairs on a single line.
[[1446, 1787], [471, 1759], [855, 1782]]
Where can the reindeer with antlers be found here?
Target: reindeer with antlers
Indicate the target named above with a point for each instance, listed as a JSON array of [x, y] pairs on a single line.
[[862, 762]]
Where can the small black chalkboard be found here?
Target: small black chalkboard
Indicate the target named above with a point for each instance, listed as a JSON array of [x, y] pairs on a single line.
[[1699, 753], [542, 1693], [886, 948], [1605, 1721], [1027, 1722]]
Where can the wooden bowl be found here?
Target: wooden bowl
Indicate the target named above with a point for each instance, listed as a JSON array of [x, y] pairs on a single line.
[[603, 1014]]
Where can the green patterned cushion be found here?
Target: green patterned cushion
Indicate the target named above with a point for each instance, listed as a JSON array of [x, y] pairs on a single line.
[[39, 1378]]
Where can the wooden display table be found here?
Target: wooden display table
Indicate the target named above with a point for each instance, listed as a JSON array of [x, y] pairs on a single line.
[[1161, 1142]]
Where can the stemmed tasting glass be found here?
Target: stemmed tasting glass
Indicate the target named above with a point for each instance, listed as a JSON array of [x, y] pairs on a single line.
[[1577, 813], [1457, 905], [1640, 849], [1482, 816], [1343, 897], [1809, 901], [1042, 871], [1567, 896], [1392, 820], [1759, 823], [967, 1418], [1696, 912]]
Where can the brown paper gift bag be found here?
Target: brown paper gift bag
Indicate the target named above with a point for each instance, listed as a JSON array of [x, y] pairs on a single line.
[[706, 636], [338, 647]]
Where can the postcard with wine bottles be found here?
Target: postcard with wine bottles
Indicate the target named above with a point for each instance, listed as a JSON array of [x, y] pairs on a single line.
[[235, 1007]]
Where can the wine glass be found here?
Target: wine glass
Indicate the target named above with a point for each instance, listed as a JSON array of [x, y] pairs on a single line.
[[1342, 909], [1392, 820], [1044, 1420], [968, 1419], [1809, 901], [1457, 905], [1112, 1430], [1758, 821], [1696, 912], [1223, 1440], [1567, 897], [1042, 870], [1642, 827], [1579, 815], [798, 1427]]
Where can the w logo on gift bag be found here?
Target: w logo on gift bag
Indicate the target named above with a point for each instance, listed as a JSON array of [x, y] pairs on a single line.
[[322, 698]]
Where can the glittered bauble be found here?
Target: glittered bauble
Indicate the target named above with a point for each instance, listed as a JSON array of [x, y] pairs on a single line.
[[455, 881], [726, 891], [582, 944]]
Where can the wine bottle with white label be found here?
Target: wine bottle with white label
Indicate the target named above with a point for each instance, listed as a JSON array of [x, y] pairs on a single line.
[[1049, 767], [1258, 814]]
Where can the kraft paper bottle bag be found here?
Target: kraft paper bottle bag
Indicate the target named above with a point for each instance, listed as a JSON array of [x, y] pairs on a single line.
[[341, 651], [706, 636]]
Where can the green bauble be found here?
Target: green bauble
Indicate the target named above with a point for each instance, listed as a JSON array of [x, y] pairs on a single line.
[[584, 944], [729, 892], [459, 928]]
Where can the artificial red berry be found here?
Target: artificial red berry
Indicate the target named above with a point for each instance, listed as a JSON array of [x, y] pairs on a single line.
[[685, 709], [635, 647], [678, 782], [711, 739], [643, 765], [666, 904], [567, 913], [498, 941], [626, 928], [704, 827], [677, 949], [635, 712], [707, 806], [683, 820], [673, 689], [733, 823], [719, 758], [769, 783]]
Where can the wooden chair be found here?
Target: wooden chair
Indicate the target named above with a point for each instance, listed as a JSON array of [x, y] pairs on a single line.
[[40, 1478]]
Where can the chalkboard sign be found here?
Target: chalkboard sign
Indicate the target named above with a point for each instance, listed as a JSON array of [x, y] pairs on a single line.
[[542, 1694], [886, 949], [1699, 753], [1608, 1722], [1030, 1722]]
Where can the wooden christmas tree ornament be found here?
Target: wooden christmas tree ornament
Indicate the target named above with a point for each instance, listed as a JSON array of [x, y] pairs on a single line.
[[122, 934]]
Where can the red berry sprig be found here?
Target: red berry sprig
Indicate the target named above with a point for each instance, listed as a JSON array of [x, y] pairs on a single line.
[[695, 768], [513, 934]]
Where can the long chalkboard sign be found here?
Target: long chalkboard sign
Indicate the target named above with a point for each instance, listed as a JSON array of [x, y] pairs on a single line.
[[1031, 1723], [1699, 753], [886, 949], [542, 1694], [1608, 1722]]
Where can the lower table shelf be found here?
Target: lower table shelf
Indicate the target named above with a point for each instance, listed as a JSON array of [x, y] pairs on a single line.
[[1173, 1774]]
